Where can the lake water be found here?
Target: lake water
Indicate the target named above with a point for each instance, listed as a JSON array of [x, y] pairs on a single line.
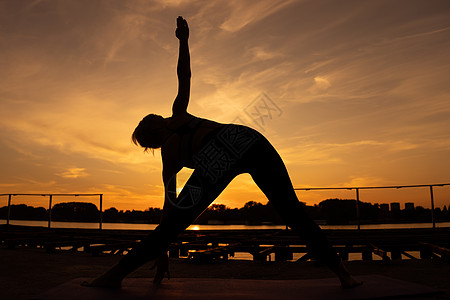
[[129, 226]]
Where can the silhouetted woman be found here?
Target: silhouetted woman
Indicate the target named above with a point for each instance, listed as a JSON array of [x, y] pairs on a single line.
[[217, 153]]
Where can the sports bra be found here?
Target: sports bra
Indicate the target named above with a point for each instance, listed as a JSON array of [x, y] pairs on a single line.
[[186, 133]]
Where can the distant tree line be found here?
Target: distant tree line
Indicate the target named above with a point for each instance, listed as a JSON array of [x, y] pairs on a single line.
[[330, 211]]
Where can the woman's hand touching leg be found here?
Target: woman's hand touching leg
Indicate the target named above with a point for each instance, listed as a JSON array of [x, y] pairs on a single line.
[[162, 267]]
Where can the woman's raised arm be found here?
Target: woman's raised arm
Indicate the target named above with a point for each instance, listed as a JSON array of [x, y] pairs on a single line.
[[183, 69]]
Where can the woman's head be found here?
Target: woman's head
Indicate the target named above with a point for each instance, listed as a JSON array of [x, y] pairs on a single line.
[[150, 132]]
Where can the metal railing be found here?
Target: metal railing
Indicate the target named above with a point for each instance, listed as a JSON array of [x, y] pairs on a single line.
[[357, 189], [50, 204]]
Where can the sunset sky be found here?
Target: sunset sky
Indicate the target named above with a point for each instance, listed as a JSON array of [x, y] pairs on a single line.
[[360, 92]]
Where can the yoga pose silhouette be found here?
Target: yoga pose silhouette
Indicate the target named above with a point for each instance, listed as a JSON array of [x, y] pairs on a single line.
[[217, 153]]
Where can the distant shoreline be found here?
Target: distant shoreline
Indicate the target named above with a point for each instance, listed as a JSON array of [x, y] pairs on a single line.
[[148, 226]]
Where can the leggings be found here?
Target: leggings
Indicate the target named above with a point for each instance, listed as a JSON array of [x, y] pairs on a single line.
[[229, 151]]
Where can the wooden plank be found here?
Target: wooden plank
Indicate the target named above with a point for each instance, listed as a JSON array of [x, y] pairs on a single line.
[[442, 251], [380, 252]]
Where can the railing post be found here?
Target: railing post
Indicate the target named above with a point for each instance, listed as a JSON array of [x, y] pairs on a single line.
[[9, 209], [101, 213], [357, 209], [50, 211], [432, 206]]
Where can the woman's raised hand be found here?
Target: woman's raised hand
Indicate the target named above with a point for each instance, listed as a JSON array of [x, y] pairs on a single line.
[[182, 31]]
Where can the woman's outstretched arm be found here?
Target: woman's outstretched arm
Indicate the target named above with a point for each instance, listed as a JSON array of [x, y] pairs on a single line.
[[183, 68], [169, 178]]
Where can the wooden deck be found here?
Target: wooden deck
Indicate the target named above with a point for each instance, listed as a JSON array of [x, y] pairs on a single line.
[[208, 245], [374, 287]]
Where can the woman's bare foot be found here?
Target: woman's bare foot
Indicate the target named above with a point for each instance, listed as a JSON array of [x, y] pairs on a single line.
[[347, 280]]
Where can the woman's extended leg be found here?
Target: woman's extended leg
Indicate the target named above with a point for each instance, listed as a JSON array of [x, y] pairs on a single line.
[[269, 173], [195, 197], [272, 178]]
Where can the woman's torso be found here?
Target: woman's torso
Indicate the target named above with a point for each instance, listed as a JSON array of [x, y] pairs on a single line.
[[189, 134]]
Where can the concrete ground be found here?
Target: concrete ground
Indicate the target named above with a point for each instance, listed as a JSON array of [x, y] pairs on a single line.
[[25, 273]]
